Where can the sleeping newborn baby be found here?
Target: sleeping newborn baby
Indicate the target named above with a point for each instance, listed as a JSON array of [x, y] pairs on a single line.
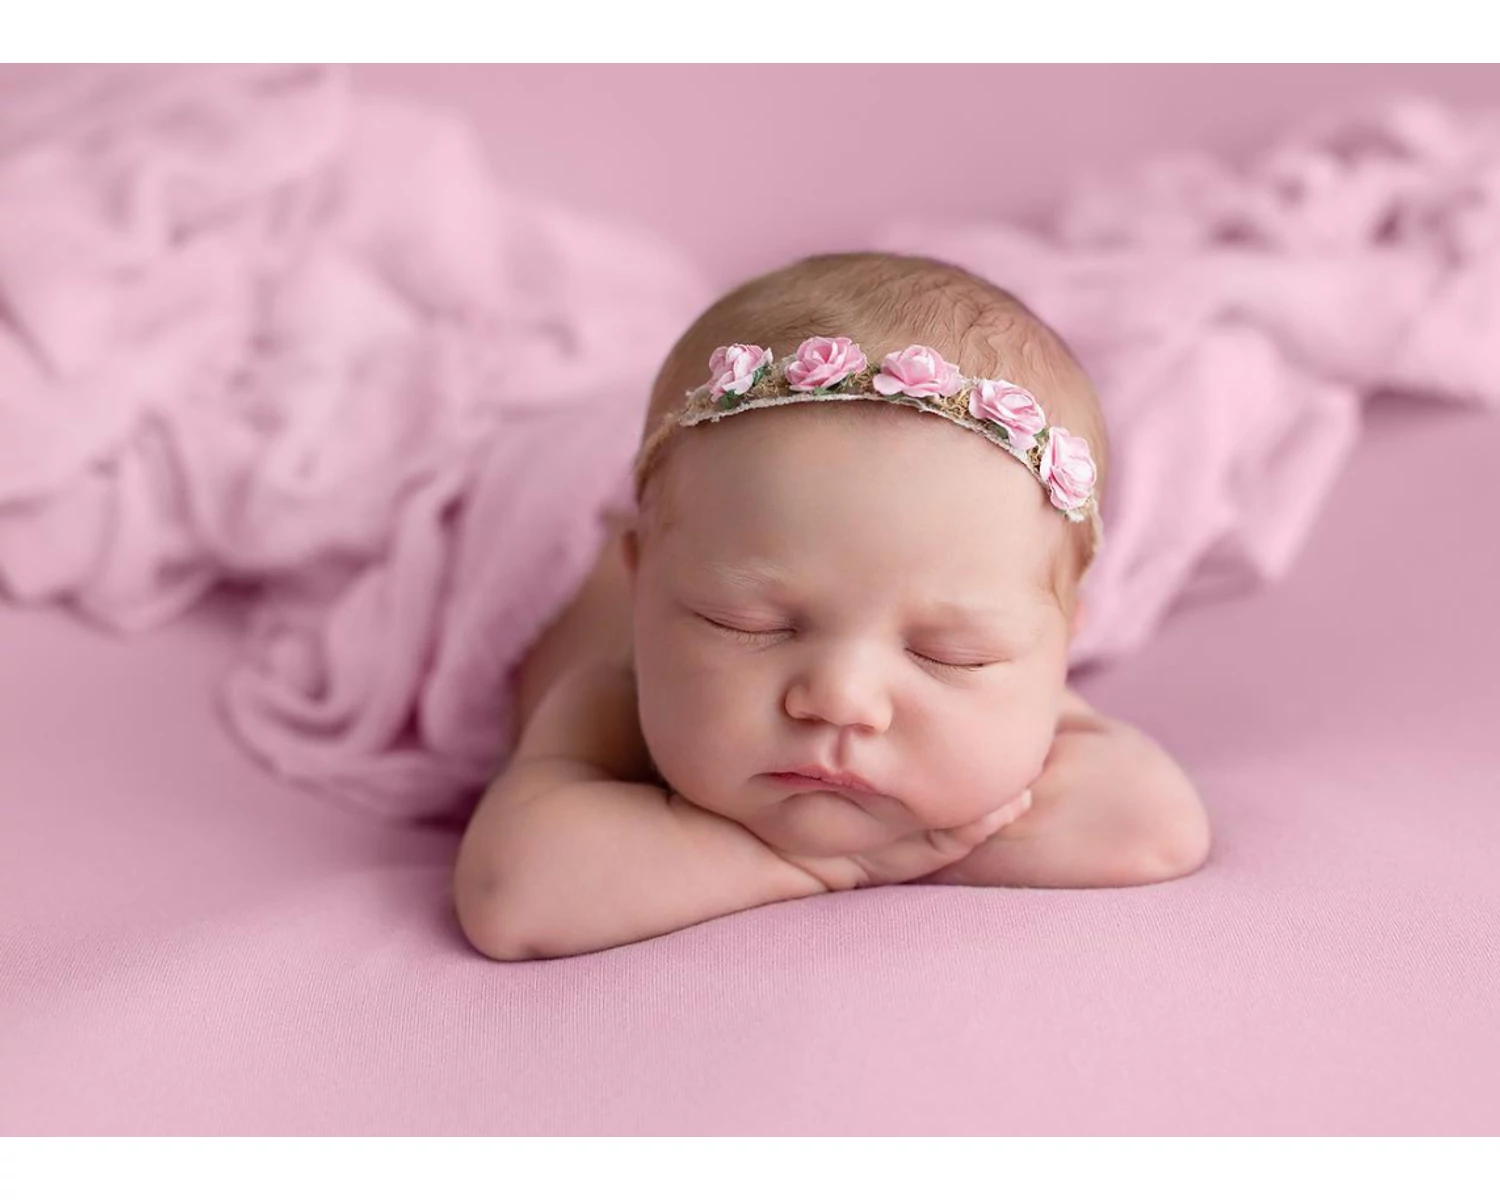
[[830, 651]]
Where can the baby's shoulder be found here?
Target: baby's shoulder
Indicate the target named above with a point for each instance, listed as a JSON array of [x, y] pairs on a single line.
[[595, 627], [1114, 749], [1077, 715]]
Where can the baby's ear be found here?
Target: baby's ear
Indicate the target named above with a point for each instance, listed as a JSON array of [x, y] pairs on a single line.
[[630, 550], [1076, 623], [622, 526]]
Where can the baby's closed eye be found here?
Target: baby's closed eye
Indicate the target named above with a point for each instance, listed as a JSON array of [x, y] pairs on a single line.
[[943, 661]]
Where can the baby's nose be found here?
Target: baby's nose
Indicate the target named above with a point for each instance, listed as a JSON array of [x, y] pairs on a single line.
[[841, 690]]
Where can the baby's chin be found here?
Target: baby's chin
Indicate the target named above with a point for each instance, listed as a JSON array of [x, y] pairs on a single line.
[[819, 824]]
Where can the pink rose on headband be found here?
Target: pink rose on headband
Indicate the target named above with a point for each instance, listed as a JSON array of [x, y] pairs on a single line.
[[1012, 407], [823, 362], [734, 368], [917, 371], [1067, 468]]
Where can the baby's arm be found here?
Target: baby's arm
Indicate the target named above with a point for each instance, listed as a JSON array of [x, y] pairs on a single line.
[[563, 856], [568, 854], [590, 864], [1111, 809]]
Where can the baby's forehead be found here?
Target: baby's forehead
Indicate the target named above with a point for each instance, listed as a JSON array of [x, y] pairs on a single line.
[[777, 556], [929, 494]]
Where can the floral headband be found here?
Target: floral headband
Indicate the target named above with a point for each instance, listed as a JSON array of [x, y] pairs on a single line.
[[748, 377]]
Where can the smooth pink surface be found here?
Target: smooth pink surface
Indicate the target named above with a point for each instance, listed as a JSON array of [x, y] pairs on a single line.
[[191, 948]]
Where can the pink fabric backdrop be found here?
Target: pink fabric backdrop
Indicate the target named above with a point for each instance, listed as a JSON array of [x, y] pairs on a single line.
[[622, 139], [263, 327], [191, 946]]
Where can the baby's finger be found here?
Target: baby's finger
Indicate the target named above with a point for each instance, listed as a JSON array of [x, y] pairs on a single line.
[[922, 853], [959, 840]]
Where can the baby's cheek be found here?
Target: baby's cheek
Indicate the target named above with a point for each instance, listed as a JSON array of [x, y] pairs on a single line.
[[702, 698], [985, 760], [1027, 749], [694, 725]]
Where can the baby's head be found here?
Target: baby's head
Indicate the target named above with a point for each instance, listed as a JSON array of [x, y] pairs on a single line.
[[854, 585]]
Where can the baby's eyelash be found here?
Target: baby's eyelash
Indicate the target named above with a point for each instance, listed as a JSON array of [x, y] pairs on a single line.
[[743, 634], [952, 666], [752, 636]]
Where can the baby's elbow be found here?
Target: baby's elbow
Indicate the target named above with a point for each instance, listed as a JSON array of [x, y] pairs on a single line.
[[485, 923], [494, 931], [492, 921], [1177, 843]]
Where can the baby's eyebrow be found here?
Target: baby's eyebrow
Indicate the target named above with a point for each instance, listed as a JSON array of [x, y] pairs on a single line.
[[957, 612], [753, 573]]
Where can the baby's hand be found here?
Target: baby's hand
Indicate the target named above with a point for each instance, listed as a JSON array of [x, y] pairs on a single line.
[[911, 857]]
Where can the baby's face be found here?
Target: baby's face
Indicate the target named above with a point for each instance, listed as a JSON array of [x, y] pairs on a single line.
[[864, 593]]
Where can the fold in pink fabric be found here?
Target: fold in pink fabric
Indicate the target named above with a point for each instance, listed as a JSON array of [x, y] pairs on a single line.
[[1235, 319], [260, 330]]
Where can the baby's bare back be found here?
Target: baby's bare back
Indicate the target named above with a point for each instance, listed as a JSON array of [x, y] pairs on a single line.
[[595, 626]]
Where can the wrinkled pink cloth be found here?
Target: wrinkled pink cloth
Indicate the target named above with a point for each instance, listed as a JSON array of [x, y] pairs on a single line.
[[1234, 320], [261, 330]]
